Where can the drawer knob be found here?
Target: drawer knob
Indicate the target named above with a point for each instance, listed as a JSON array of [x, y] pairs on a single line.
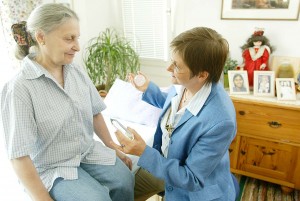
[[242, 112], [274, 124]]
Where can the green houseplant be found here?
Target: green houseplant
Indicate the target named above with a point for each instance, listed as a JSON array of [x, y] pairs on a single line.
[[230, 64], [109, 56]]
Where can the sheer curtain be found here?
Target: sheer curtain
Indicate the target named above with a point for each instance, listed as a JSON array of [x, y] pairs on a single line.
[[10, 13], [147, 24]]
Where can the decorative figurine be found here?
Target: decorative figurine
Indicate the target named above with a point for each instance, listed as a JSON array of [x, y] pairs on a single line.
[[256, 54]]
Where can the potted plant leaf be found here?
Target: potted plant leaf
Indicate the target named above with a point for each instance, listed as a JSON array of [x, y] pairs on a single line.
[[230, 64], [109, 56]]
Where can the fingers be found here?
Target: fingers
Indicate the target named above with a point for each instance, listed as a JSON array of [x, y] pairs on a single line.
[[126, 160], [115, 146], [128, 163], [123, 140], [128, 146], [120, 136], [135, 134], [140, 73], [130, 77]]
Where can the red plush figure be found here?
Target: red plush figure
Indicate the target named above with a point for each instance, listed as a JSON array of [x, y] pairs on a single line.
[[256, 54]]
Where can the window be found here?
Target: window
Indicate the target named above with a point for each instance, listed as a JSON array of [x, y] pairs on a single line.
[[147, 24]]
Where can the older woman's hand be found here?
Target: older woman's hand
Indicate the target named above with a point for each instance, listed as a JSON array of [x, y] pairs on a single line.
[[125, 159]]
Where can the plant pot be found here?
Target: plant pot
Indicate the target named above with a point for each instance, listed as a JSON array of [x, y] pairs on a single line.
[[226, 81], [102, 93]]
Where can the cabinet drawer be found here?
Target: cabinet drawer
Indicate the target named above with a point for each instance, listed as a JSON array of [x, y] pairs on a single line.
[[268, 122], [275, 160]]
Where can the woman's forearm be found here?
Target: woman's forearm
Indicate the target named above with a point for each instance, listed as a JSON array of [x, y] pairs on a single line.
[[101, 130], [30, 179]]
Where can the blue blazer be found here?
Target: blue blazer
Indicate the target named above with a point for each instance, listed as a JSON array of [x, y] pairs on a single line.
[[198, 165]]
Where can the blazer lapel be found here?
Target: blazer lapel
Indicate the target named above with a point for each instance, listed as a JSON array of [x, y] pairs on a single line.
[[186, 116], [167, 104]]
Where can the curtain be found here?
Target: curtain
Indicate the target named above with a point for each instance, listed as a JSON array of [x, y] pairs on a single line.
[[13, 11]]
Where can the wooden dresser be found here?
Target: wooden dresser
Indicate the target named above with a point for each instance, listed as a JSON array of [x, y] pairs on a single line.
[[267, 144]]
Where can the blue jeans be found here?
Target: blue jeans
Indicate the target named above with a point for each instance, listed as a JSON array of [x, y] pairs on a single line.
[[96, 183]]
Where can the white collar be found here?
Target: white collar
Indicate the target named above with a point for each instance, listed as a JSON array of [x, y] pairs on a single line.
[[198, 100]]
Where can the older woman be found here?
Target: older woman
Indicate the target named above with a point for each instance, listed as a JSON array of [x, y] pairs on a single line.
[[50, 111]]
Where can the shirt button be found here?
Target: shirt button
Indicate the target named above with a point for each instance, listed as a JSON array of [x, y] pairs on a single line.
[[169, 188], [78, 156], [73, 119]]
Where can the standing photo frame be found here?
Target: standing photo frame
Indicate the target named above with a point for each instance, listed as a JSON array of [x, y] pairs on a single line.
[[283, 62], [238, 82], [264, 83], [285, 89]]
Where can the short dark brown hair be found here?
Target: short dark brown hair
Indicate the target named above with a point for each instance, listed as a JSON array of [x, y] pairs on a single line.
[[202, 49]]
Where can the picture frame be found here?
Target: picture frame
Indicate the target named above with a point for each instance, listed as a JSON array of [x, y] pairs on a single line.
[[285, 89], [238, 82], [284, 61], [264, 83], [259, 10]]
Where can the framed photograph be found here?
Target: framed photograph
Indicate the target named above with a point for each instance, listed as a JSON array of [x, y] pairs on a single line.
[[289, 66], [260, 10], [264, 83], [238, 82], [285, 89]]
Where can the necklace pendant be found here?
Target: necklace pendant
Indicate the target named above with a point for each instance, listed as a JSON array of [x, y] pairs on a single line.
[[170, 129], [184, 96]]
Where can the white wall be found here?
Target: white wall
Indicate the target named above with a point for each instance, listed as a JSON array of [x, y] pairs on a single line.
[[96, 15], [284, 35]]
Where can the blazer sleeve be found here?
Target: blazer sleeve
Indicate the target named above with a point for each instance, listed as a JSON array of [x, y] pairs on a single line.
[[154, 96]]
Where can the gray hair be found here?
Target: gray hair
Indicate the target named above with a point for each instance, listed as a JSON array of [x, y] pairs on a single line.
[[46, 18]]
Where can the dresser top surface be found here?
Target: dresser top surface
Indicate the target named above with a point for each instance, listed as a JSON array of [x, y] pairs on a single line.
[[267, 100]]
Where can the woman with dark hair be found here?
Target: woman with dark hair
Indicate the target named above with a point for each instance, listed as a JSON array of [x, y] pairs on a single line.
[[256, 53], [189, 159]]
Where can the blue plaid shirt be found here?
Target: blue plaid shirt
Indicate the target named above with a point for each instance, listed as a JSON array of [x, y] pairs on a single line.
[[51, 124]]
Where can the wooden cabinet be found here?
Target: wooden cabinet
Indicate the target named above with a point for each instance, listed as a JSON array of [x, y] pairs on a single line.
[[267, 145]]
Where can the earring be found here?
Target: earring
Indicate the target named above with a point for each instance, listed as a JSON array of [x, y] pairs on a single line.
[[42, 43]]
